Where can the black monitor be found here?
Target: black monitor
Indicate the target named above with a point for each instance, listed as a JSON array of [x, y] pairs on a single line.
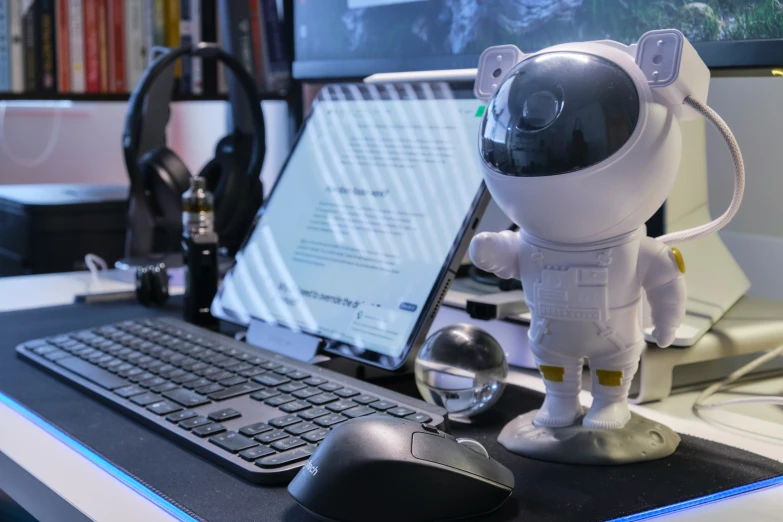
[[356, 38]]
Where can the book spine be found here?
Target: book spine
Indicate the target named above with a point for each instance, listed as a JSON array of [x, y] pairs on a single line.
[[103, 45], [221, 81], [63, 47], [116, 36], [16, 41], [209, 27], [75, 46], [135, 43], [255, 31], [185, 40], [196, 86], [30, 28], [92, 59], [275, 58], [48, 56], [172, 32], [5, 49]]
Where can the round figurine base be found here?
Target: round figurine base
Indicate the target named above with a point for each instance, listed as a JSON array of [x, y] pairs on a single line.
[[640, 440]]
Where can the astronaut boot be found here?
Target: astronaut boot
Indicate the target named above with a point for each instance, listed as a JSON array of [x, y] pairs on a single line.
[[561, 406], [610, 399]]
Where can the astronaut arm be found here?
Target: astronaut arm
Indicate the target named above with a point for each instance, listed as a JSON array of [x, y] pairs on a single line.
[[662, 278], [497, 252]]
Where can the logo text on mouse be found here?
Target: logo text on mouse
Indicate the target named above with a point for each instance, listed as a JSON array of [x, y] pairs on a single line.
[[313, 470]]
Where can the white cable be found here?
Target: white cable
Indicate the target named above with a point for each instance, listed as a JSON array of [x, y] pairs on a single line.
[[739, 180], [700, 404], [94, 265], [43, 156]]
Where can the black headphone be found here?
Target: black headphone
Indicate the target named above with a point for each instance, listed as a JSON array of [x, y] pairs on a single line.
[[160, 177]]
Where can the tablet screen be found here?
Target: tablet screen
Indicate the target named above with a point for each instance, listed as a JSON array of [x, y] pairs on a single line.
[[364, 216]]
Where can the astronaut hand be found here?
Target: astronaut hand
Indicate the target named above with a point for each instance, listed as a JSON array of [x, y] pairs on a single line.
[[664, 335], [482, 251]]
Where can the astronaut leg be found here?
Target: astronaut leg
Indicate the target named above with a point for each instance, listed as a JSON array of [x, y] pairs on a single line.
[[611, 381], [563, 380]]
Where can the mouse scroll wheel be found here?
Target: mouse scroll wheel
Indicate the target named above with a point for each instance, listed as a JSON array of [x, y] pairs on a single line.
[[475, 446]]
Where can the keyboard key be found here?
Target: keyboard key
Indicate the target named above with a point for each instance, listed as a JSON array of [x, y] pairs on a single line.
[[188, 377], [224, 415], [221, 375], [92, 373], [287, 457], [315, 381], [264, 395], [181, 416], [285, 420], [208, 429], [314, 413], [400, 411], [287, 444], [173, 374], [419, 417], [166, 386], [341, 405], [232, 441], [330, 420], [271, 436], [292, 387], [198, 383], [297, 375], [255, 429], [322, 398], [129, 391], [186, 398], [269, 379], [241, 367], [144, 376], [228, 363], [252, 372], [316, 436], [256, 453], [359, 411], [130, 372], [365, 399], [271, 365], [305, 393], [163, 407], [208, 371], [302, 427], [209, 388], [295, 406], [279, 400], [283, 370], [383, 405], [198, 367], [233, 381], [330, 387], [194, 422], [145, 399], [346, 393], [235, 391]]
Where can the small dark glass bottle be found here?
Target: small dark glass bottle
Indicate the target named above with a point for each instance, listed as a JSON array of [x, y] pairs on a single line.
[[199, 248]]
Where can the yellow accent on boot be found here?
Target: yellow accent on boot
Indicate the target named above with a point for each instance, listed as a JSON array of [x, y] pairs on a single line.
[[678, 258], [609, 377], [552, 373]]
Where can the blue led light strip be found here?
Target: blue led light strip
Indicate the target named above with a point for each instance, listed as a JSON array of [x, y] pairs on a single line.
[[701, 500], [96, 459]]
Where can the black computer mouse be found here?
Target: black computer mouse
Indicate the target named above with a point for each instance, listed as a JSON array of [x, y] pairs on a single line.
[[389, 469]]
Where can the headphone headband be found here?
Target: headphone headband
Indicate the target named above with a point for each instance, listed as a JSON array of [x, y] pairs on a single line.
[[133, 121]]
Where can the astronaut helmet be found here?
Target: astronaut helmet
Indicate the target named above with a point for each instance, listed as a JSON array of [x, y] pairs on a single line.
[[575, 146]]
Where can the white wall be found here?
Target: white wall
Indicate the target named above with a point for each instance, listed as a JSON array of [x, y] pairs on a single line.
[[81, 143]]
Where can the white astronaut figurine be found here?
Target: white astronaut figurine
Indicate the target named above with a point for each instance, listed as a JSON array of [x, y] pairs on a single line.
[[581, 145]]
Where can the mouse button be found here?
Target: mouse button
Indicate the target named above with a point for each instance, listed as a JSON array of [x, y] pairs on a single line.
[[451, 454]]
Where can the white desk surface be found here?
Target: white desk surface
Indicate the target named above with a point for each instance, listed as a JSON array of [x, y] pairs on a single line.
[[103, 496]]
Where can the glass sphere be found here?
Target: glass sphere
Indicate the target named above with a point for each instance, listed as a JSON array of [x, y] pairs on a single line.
[[462, 369]]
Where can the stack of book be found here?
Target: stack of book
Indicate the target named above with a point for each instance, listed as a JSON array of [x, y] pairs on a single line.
[[61, 47]]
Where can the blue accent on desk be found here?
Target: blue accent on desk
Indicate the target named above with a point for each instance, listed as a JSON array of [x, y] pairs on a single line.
[[96, 459], [679, 506]]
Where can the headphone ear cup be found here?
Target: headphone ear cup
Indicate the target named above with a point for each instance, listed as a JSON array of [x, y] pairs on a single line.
[[166, 178], [211, 174]]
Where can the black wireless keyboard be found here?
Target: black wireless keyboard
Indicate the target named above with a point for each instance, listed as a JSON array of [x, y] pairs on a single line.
[[257, 413]]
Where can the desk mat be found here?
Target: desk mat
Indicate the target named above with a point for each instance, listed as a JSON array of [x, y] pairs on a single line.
[[544, 491]]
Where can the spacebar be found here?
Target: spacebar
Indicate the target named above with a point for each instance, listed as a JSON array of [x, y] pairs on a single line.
[[92, 373]]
